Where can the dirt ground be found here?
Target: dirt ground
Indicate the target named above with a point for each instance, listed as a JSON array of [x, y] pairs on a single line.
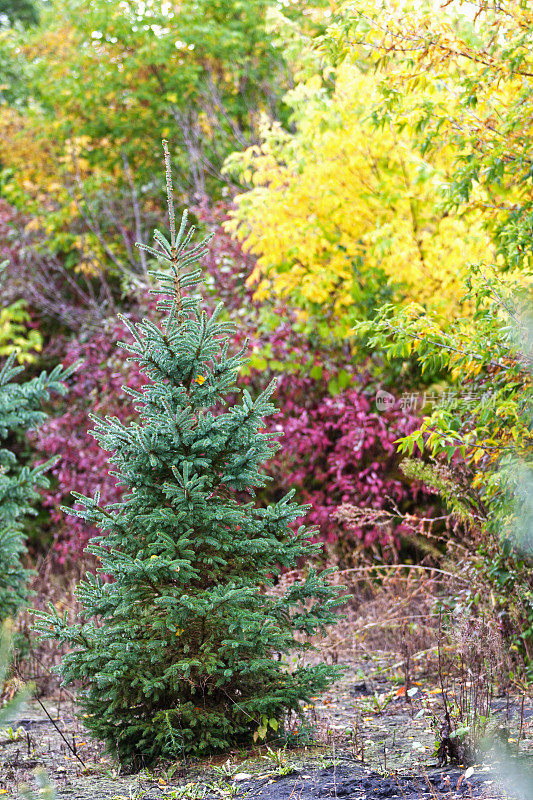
[[365, 739]]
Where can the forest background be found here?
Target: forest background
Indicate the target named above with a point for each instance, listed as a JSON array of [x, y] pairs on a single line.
[[366, 171]]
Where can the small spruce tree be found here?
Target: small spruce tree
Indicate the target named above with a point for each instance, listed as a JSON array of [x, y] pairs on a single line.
[[20, 409], [180, 647]]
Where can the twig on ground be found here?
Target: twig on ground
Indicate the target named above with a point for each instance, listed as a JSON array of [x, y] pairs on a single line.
[[60, 732]]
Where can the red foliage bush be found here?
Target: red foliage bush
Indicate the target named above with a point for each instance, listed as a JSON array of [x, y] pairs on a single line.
[[83, 466], [341, 451], [335, 448]]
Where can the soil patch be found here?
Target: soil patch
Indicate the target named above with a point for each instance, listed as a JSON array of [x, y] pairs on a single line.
[[349, 780], [364, 739]]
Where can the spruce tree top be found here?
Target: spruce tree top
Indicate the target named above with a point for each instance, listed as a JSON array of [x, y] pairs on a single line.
[[181, 650]]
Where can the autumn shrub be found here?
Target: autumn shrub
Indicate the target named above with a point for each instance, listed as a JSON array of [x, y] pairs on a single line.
[[82, 465], [336, 447], [341, 450], [459, 82], [335, 444], [367, 223], [478, 433], [484, 419]]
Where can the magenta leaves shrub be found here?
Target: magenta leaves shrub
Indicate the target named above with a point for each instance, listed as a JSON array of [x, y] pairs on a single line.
[[336, 448], [83, 465]]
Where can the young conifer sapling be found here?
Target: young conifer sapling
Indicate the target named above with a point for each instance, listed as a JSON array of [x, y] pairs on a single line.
[[180, 645]]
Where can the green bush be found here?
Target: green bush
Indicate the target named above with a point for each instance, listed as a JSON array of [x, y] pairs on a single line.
[[482, 428]]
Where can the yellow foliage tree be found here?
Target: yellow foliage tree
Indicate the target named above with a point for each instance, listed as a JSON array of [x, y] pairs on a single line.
[[344, 213], [479, 55]]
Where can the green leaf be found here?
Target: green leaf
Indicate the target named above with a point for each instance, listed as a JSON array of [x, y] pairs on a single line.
[[343, 379], [258, 362]]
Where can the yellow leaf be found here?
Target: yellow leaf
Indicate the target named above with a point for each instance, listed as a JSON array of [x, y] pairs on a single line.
[[478, 455]]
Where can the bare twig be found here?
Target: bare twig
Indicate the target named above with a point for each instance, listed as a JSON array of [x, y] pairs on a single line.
[[60, 732], [136, 211]]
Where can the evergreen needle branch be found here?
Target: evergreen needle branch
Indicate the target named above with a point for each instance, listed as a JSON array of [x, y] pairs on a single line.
[[170, 194], [172, 223]]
